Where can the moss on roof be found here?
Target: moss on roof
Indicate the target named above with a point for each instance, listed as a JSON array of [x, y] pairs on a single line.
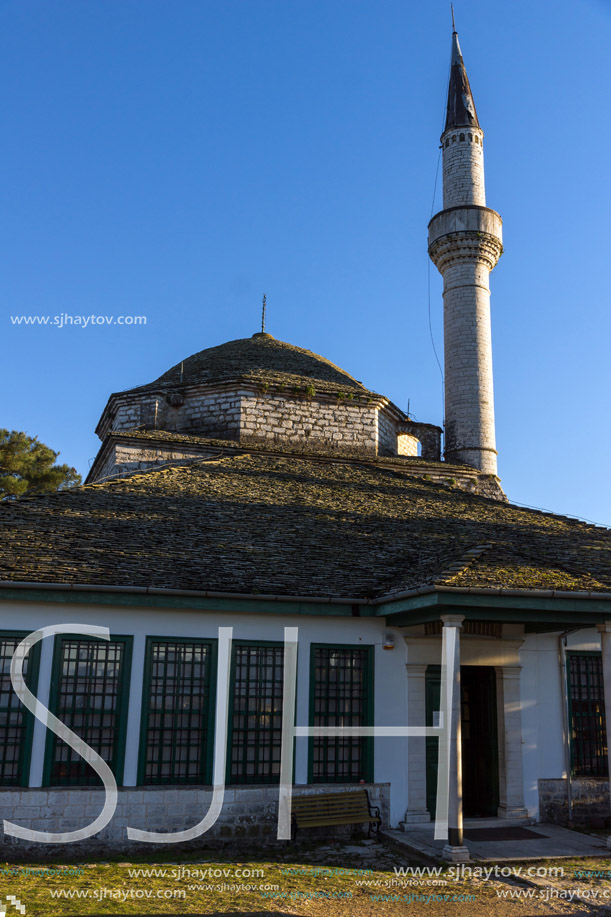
[[258, 358], [291, 525]]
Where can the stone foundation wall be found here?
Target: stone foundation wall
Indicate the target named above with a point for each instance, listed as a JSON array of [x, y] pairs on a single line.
[[249, 814], [591, 802]]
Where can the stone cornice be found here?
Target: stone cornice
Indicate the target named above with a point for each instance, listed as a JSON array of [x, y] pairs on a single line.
[[465, 246]]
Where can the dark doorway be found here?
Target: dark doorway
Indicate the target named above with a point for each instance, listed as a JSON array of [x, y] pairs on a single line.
[[480, 764], [480, 757]]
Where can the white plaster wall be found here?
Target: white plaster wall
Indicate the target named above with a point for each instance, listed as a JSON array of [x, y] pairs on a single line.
[[542, 714], [530, 708], [389, 669], [586, 640], [542, 725]]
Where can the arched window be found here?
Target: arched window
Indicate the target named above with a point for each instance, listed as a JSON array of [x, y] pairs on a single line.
[[462, 137]]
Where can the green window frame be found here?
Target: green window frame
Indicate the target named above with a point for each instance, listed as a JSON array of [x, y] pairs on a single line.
[[255, 712], [90, 682], [341, 694], [177, 729], [16, 722], [587, 726]]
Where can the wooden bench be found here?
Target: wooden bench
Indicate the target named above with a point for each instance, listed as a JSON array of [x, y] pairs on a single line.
[[325, 809]]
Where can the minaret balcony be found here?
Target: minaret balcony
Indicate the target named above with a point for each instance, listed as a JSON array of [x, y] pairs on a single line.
[[466, 233]]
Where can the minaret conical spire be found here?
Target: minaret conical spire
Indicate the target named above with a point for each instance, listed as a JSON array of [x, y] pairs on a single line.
[[461, 107]]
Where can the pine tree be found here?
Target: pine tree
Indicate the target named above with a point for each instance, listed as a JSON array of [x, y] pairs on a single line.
[[27, 465]]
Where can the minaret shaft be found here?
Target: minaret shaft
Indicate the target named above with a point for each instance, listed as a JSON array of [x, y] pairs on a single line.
[[463, 167], [465, 243], [469, 401]]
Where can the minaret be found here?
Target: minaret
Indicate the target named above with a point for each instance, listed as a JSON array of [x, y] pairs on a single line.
[[465, 243]]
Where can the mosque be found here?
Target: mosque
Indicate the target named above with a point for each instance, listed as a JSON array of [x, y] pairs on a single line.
[[257, 486]]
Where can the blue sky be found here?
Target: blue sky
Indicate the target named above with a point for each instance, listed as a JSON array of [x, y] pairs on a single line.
[[179, 159]]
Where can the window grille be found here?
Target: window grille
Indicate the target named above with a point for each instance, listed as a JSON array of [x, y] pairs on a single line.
[[178, 728], [15, 721], [341, 695], [587, 715], [89, 695], [256, 714]]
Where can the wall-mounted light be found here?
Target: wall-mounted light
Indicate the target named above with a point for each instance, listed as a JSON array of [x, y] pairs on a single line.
[[389, 642]]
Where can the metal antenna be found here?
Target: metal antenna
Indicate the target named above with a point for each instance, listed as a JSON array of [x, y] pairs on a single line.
[[453, 23], [263, 314]]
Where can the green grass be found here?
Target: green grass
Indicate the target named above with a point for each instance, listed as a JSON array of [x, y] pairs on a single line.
[[310, 881]]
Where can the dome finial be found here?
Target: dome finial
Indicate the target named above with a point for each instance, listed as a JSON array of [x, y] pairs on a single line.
[[263, 314], [453, 23]]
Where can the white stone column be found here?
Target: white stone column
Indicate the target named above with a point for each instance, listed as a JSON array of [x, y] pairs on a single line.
[[416, 746], [605, 645], [509, 717], [455, 850]]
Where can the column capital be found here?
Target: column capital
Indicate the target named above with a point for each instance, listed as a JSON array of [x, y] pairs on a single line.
[[415, 669], [604, 628], [508, 671], [452, 620]]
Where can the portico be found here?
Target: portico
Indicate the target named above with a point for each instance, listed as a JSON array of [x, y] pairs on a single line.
[[501, 655], [493, 648]]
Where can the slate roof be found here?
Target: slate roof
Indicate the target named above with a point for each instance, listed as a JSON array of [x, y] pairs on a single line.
[[260, 523], [191, 446], [461, 107], [258, 358]]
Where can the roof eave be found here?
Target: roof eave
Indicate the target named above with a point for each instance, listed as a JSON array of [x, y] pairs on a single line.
[[325, 600]]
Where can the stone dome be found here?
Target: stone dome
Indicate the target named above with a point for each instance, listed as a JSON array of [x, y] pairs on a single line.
[[254, 392], [258, 357]]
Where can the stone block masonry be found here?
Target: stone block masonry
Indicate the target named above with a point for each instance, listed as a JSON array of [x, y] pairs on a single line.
[[345, 421], [211, 413], [126, 458], [390, 443], [278, 418], [590, 802], [469, 397], [465, 243], [249, 815], [463, 167]]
